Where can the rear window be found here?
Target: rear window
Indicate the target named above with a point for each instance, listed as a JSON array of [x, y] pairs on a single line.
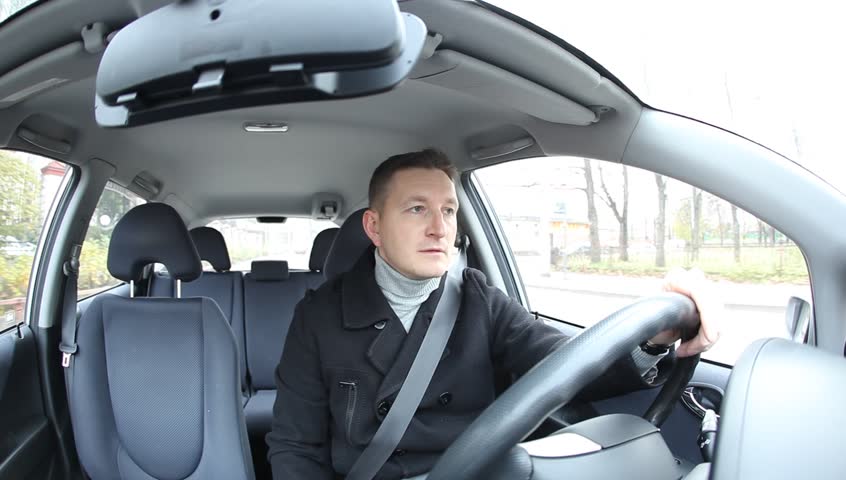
[[249, 240]]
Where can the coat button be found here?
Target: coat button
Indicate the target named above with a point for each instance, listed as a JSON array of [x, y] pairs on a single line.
[[445, 398], [383, 408], [399, 452], [380, 324]]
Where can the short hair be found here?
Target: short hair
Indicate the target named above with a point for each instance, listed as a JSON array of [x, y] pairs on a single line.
[[429, 158]]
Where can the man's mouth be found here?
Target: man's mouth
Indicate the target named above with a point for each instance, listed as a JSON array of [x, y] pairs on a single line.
[[432, 250]]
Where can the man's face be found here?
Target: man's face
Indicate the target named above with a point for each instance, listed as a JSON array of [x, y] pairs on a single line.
[[414, 227]]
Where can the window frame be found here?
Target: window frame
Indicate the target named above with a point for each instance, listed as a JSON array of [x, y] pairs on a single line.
[[46, 239], [105, 288], [509, 269], [503, 255]]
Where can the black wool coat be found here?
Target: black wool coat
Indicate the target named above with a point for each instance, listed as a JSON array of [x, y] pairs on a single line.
[[346, 356]]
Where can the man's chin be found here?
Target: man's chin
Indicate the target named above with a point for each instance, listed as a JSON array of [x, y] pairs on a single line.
[[431, 271]]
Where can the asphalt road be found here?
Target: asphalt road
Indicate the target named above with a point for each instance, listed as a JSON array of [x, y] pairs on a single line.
[[751, 311]]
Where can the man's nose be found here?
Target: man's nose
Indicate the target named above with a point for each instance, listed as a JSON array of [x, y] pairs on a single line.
[[437, 225]]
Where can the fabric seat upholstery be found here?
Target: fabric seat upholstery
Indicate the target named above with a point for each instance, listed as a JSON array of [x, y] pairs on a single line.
[[224, 287], [271, 293], [154, 387]]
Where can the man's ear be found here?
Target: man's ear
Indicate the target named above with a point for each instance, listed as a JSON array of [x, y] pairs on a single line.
[[370, 221]]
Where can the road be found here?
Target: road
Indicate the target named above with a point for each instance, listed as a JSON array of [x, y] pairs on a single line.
[[751, 311]]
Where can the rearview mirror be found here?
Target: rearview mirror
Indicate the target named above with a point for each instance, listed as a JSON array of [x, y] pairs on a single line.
[[200, 56], [798, 318]]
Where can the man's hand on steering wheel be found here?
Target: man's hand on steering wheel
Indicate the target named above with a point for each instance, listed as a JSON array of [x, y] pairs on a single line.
[[693, 284]]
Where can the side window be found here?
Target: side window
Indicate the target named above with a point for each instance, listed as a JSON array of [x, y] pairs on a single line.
[[248, 240], [590, 237], [28, 187], [94, 274]]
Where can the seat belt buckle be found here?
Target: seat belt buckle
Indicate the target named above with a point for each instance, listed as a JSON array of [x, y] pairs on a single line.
[[67, 352]]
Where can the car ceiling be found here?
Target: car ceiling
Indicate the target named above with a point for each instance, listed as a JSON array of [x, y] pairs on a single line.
[[500, 83]]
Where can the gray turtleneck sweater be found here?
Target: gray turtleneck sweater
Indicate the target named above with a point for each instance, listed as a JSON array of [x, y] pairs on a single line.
[[405, 296]]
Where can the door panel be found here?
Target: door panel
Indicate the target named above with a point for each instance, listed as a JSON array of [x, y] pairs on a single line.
[[27, 445]]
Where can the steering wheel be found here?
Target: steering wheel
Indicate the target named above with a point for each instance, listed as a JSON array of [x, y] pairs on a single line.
[[560, 376]]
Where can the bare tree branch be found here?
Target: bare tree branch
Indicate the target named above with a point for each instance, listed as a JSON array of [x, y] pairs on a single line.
[[608, 199]]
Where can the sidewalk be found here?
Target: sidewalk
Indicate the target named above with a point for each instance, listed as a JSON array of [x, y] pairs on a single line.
[[733, 294]]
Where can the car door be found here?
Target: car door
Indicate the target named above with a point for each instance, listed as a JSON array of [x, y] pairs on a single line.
[[28, 443], [582, 238]]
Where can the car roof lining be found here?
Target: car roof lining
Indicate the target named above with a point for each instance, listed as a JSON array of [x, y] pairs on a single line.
[[332, 145]]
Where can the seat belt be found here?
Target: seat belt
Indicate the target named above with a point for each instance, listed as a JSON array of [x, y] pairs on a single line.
[[70, 320], [396, 422]]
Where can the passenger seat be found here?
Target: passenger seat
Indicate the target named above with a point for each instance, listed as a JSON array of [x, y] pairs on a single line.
[[224, 287], [271, 293]]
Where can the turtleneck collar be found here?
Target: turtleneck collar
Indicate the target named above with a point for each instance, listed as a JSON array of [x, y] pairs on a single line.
[[398, 284], [404, 295]]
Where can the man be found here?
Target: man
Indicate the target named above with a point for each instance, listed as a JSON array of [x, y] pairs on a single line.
[[352, 342]]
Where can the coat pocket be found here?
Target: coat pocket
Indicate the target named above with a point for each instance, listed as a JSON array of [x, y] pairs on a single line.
[[351, 387]]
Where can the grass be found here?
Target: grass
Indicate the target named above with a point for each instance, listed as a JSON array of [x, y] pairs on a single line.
[[779, 264]]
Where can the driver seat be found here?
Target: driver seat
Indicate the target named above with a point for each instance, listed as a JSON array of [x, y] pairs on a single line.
[[154, 388]]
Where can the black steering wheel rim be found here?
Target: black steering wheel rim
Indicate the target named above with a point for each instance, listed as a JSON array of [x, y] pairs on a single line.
[[562, 374]]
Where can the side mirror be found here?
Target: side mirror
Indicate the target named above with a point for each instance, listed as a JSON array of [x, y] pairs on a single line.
[[798, 317], [199, 56]]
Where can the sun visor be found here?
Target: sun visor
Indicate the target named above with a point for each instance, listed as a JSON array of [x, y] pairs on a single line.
[[487, 82], [196, 57]]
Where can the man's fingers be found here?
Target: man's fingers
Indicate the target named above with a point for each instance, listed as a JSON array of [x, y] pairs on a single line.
[[698, 344], [694, 284]]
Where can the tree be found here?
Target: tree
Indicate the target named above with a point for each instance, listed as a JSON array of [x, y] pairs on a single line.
[[762, 240], [621, 215], [696, 224], [735, 229], [113, 204], [593, 218], [660, 222], [20, 208], [715, 206]]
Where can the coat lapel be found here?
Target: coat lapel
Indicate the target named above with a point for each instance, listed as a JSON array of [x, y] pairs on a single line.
[[392, 351], [402, 364], [364, 306]]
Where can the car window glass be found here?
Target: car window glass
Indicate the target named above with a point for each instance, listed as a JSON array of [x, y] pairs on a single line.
[[248, 240], [577, 265], [28, 186], [94, 276]]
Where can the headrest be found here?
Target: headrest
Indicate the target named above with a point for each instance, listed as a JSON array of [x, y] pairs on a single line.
[[269, 270], [350, 244], [320, 249], [212, 247], [153, 233]]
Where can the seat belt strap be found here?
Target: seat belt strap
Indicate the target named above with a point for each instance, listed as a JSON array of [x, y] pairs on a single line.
[[396, 422], [70, 320]]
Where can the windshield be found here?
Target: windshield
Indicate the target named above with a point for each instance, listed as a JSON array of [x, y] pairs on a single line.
[[11, 7], [772, 72]]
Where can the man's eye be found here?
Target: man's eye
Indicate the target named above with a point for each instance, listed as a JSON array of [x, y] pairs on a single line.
[[416, 209], [449, 211]]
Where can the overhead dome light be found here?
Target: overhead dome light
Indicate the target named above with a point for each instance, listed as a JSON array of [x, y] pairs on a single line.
[[264, 127]]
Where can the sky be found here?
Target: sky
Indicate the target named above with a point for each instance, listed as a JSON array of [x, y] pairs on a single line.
[[770, 71]]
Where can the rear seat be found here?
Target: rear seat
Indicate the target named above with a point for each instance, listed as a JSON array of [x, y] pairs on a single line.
[[271, 292], [224, 287]]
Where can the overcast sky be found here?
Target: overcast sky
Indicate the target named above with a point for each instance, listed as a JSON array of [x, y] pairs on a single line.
[[781, 64]]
